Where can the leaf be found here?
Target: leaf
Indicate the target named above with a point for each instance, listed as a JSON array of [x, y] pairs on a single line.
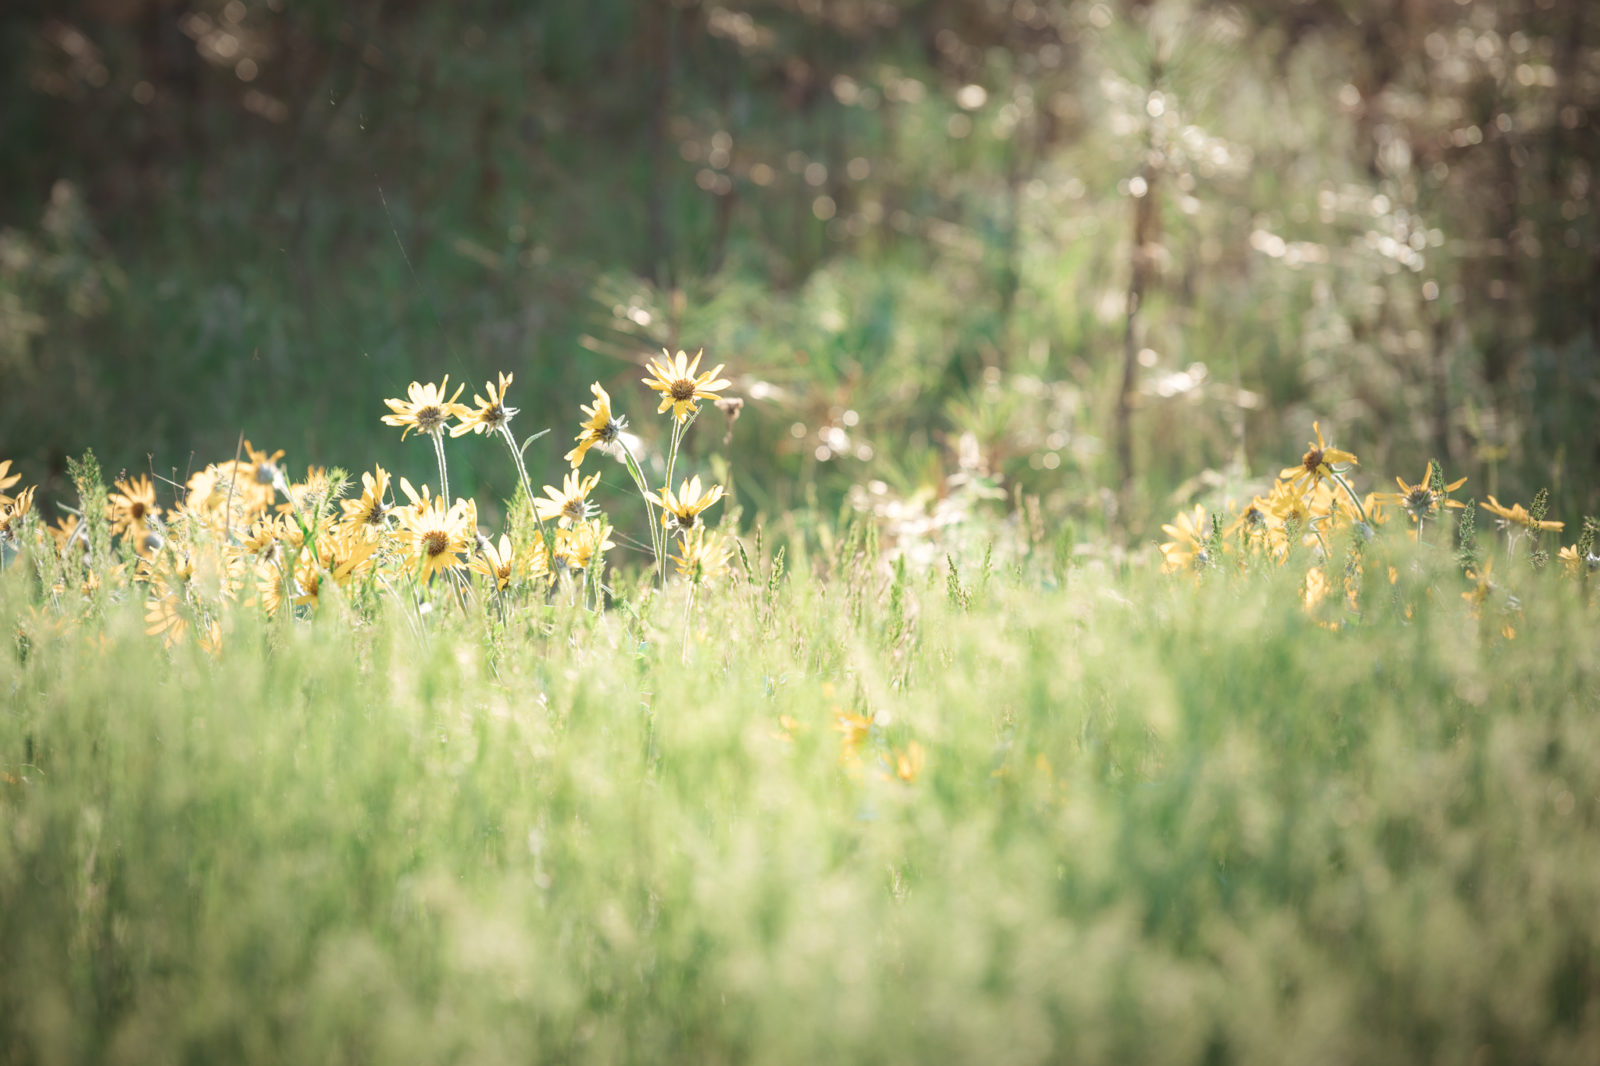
[[524, 449]]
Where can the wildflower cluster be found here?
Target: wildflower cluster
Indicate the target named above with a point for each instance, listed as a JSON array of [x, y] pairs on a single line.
[[242, 533], [1313, 517]]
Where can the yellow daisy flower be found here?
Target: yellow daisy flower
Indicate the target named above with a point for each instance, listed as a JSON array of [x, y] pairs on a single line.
[[497, 562], [7, 479], [570, 503], [1419, 500], [1516, 515], [1187, 548], [436, 538], [11, 513], [578, 548], [675, 378], [307, 496], [1317, 463], [340, 556], [682, 511], [1257, 529], [491, 415], [909, 761], [132, 506], [67, 531], [602, 427], [425, 410], [370, 513], [703, 555], [852, 729], [260, 541]]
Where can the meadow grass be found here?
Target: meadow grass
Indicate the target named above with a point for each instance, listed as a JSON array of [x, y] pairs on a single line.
[[1004, 812]]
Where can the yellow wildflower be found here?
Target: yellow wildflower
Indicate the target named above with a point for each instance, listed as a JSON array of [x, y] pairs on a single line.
[[425, 409], [675, 378]]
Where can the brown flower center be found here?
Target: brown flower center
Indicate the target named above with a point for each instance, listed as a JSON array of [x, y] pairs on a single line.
[[682, 389], [435, 542], [1312, 460], [136, 510], [576, 509], [430, 419], [1420, 500]]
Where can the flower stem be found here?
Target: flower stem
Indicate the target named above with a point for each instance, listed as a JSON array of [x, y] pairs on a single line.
[[657, 534], [444, 475], [527, 487], [688, 618], [1350, 492]]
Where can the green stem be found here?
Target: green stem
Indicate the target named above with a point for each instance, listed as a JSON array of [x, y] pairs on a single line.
[[527, 488], [444, 475], [656, 532], [688, 619], [1350, 492], [678, 430]]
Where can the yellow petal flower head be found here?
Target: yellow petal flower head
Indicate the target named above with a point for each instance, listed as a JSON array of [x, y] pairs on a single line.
[[570, 503], [1516, 515], [1187, 548], [341, 556], [436, 539], [247, 486], [675, 378], [601, 428], [909, 761], [497, 562], [425, 410], [1419, 500], [131, 507], [7, 479], [370, 513], [1318, 461], [11, 513], [682, 511], [581, 546], [491, 415], [1257, 530], [702, 555], [309, 495]]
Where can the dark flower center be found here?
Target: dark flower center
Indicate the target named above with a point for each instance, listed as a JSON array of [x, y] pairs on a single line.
[[1312, 460], [429, 419], [435, 542], [136, 510], [1420, 500], [576, 509], [682, 389]]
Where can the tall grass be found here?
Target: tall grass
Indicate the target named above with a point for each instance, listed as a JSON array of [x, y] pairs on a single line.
[[1156, 822]]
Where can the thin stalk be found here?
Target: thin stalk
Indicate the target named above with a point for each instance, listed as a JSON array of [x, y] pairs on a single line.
[[1350, 492], [413, 624], [678, 430], [656, 532], [444, 474], [688, 618], [527, 486]]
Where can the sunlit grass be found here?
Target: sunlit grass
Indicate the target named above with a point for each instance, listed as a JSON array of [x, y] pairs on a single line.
[[1002, 813]]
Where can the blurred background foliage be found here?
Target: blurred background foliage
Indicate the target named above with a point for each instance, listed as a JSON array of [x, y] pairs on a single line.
[[1117, 256]]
